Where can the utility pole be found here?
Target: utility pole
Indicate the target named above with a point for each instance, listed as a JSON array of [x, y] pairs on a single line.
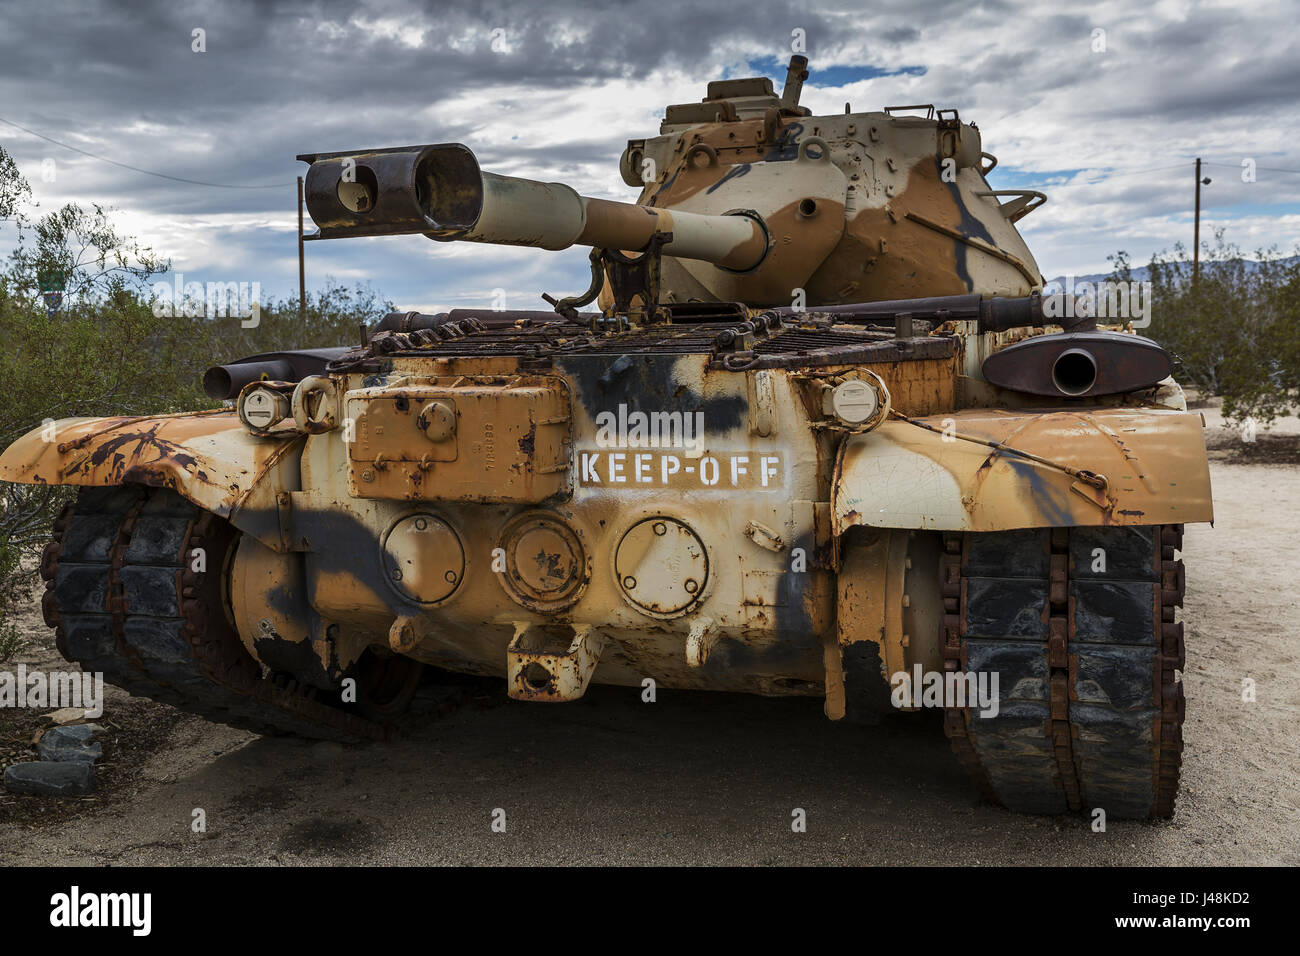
[[1196, 232], [302, 266]]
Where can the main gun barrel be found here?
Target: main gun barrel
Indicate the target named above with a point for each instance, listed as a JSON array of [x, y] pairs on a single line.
[[440, 191]]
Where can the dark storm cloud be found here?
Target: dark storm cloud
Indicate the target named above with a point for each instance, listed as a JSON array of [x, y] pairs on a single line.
[[267, 53], [278, 79], [900, 34]]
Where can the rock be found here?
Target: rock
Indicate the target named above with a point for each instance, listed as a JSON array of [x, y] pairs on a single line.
[[49, 779], [68, 715], [73, 742]]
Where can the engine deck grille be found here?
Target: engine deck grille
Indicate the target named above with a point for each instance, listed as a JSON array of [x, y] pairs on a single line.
[[765, 342]]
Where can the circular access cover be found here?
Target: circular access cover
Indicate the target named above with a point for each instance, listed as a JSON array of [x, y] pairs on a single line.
[[661, 566], [545, 562], [423, 558], [854, 401]]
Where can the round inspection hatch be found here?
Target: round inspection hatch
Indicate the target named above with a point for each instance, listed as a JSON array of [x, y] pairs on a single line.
[[661, 566], [423, 558], [854, 401], [545, 566]]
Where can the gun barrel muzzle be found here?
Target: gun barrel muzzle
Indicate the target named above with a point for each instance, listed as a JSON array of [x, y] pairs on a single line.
[[440, 191]]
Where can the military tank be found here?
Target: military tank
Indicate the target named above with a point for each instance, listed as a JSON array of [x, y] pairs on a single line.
[[813, 429]]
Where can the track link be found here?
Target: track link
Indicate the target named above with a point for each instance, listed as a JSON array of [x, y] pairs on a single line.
[[1079, 625], [129, 597]]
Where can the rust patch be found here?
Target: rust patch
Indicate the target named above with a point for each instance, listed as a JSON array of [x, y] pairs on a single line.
[[119, 450]]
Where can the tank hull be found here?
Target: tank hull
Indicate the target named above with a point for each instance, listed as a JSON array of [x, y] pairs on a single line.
[[821, 439]]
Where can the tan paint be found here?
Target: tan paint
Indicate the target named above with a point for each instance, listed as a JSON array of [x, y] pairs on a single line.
[[895, 477], [888, 596], [902, 476], [905, 213], [537, 670], [209, 457], [463, 439], [754, 585]]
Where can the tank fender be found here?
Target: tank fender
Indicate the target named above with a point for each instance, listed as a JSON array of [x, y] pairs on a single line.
[[902, 475], [208, 457]]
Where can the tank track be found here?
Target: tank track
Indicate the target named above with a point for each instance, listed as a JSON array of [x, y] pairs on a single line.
[[124, 599], [1090, 712]]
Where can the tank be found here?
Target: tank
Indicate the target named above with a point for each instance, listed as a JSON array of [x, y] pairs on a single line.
[[812, 430]]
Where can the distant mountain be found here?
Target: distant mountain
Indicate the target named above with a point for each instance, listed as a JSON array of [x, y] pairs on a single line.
[[1142, 273], [1139, 275]]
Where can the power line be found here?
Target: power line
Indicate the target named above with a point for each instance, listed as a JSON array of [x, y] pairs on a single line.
[[1268, 169], [137, 169], [1153, 169]]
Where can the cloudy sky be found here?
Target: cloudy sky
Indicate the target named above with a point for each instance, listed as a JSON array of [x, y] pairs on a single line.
[[1109, 134]]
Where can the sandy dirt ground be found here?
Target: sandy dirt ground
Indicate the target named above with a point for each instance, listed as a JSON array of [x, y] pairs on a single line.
[[701, 778]]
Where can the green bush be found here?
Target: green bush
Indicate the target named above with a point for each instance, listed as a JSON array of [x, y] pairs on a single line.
[[105, 352], [1236, 330]]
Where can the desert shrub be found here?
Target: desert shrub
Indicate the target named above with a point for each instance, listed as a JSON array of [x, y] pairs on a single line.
[[1236, 330], [105, 350]]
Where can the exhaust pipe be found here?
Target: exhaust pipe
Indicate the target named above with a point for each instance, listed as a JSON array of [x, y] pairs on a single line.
[[1074, 372], [227, 381], [1078, 365]]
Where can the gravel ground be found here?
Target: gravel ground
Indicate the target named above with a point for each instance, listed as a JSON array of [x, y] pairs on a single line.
[[705, 778]]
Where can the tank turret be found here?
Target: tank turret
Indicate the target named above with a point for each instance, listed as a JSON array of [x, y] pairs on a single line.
[[756, 201]]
